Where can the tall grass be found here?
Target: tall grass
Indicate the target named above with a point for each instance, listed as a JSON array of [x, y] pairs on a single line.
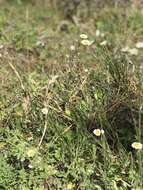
[[55, 92]]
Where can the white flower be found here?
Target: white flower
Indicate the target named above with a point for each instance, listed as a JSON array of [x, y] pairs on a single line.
[[97, 33], [137, 145], [139, 45], [125, 49], [98, 132], [86, 42], [133, 51], [102, 131], [72, 48], [45, 111], [30, 166], [83, 36], [85, 70], [104, 43]]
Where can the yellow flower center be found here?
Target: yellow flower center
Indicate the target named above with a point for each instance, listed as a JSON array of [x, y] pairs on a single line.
[[137, 145]]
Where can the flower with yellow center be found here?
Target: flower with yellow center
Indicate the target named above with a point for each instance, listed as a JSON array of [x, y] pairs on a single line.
[[83, 36], [86, 42], [98, 132], [137, 145]]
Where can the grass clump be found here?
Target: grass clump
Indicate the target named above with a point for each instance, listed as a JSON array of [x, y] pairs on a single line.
[[70, 108]]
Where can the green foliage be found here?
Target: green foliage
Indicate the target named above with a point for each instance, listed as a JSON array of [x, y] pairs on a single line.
[[81, 88], [7, 174]]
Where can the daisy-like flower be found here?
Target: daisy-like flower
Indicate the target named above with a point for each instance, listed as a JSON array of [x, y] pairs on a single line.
[[86, 42], [133, 51], [98, 132], [137, 145], [83, 36], [45, 111], [139, 45]]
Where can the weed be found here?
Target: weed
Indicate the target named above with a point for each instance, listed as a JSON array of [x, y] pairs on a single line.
[[71, 97]]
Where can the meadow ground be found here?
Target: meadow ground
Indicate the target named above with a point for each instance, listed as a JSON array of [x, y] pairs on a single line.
[[71, 105]]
